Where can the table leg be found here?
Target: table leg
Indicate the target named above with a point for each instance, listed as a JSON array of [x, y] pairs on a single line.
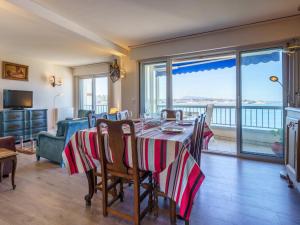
[[91, 182], [1, 171], [14, 162]]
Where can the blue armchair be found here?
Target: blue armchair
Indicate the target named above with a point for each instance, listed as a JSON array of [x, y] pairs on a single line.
[[51, 146], [83, 113]]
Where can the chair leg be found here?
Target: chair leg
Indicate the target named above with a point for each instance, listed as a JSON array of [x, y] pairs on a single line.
[[172, 212], [150, 200], [104, 195], [121, 191], [1, 171], [95, 176], [136, 201]]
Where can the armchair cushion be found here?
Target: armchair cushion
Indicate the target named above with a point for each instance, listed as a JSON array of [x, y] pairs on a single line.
[[51, 146]]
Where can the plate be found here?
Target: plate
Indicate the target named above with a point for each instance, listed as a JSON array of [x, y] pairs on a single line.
[[172, 130], [170, 119], [185, 122], [136, 120]]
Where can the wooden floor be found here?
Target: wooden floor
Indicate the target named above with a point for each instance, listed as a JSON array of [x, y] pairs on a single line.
[[235, 191]]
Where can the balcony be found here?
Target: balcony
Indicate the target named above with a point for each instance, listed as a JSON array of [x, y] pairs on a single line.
[[262, 127], [98, 109]]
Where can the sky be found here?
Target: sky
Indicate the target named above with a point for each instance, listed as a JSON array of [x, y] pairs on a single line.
[[221, 83]]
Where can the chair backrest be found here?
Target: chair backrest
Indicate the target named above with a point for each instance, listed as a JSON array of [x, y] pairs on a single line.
[[111, 138], [92, 118], [197, 138], [123, 115], [72, 126], [83, 113], [171, 114], [209, 113]]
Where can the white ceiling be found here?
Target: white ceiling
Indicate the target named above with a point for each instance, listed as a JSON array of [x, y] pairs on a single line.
[[123, 22]]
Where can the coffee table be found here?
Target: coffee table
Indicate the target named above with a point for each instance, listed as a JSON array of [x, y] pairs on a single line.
[[7, 155]]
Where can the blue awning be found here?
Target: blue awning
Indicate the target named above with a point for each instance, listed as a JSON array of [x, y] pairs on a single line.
[[200, 65]]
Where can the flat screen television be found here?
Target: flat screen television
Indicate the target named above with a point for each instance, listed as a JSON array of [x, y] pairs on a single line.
[[17, 99]]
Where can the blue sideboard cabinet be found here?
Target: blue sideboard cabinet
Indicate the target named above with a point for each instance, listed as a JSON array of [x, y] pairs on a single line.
[[26, 123]]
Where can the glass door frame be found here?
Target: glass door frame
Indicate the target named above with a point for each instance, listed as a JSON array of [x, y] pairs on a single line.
[[142, 65], [93, 77], [239, 52]]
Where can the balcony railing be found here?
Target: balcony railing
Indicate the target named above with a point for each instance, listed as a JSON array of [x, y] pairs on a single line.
[[251, 116], [98, 109]]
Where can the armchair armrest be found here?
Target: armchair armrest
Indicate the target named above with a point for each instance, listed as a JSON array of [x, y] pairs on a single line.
[[8, 142], [47, 136], [50, 147]]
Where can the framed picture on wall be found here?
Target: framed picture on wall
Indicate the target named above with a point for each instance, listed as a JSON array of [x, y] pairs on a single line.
[[13, 71]]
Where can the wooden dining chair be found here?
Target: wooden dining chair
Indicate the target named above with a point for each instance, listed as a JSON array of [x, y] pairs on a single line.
[[123, 115], [171, 114], [195, 151], [197, 138], [111, 142], [92, 118]]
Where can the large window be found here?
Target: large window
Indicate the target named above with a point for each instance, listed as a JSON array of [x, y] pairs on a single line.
[[154, 96], [244, 107], [93, 93]]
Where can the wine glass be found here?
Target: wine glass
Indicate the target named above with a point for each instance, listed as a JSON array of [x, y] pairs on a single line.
[[142, 119], [177, 117], [130, 115]]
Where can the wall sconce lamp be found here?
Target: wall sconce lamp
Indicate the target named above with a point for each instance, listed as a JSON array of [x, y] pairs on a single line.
[[123, 73], [55, 81], [275, 79]]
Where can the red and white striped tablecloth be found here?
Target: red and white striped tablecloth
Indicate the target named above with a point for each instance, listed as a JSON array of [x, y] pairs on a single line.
[[166, 155]]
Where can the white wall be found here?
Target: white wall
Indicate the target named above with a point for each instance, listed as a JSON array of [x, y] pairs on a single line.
[[43, 92], [272, 31], [129, 91]]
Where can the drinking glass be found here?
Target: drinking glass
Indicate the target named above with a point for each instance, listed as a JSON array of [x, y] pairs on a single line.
[[21, 142], [177, 117], [130, 115], [142, 118], [147, 116]]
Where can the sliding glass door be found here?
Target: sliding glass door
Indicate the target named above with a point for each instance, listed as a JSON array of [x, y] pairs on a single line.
[[86, 93], [208, 84], [154, 87], [93, 93], [241, 93], [261, 102], [101, 94]]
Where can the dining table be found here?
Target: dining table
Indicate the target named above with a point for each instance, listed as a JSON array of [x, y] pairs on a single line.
[[164, 154]]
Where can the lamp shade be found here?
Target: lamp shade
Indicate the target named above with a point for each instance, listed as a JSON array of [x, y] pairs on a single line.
[[113, 110], [273, 78]]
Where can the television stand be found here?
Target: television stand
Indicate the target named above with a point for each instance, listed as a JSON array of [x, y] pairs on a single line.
[[26, 123]]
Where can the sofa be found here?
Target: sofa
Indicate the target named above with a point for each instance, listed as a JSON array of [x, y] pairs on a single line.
[[51, 146], [9, 143]]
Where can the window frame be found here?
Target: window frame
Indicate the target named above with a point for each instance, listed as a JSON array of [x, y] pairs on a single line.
[[93, 77]]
